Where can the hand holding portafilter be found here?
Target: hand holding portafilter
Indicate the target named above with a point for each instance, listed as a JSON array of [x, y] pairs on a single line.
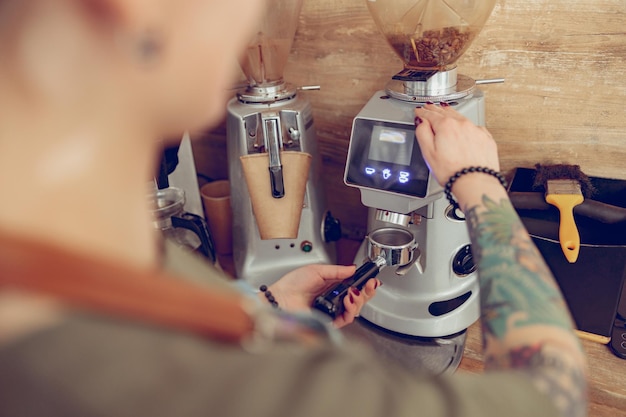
[[331, 302], [387, 246]]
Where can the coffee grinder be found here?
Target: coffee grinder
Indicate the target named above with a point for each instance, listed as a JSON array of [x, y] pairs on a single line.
[[437, 294], [280, 220]]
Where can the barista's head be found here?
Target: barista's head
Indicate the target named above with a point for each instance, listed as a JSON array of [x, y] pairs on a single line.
[[169, 62]]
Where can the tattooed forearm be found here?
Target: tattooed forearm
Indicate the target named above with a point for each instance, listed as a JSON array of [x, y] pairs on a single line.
[[526, 323], [516, 285]]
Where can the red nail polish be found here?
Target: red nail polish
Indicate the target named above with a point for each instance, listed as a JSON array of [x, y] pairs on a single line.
[[444, 104], [417, 121], [429, 102], [356, 291], [351, 298]]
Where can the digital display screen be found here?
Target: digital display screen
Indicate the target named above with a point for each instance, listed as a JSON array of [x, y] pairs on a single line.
[[386, 156], [391, 145]]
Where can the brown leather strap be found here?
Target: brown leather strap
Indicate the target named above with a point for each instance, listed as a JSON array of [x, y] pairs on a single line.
[[118, 290]]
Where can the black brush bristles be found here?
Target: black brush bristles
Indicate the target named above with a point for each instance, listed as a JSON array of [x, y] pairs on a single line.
[[543, 173]]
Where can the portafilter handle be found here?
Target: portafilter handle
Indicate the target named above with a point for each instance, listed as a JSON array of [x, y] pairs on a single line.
[[331, 302]]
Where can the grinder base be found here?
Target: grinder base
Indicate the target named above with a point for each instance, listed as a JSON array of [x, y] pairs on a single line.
[[440, 355]]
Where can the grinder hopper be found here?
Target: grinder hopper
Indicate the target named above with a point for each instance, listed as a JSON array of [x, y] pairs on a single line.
[[430, 34], [264, 61]]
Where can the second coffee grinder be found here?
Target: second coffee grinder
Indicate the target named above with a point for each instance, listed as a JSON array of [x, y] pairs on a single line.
[[280, 219]]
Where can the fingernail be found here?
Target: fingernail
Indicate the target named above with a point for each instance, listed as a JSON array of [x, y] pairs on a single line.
[[444, 104], [351, 298], [429, 102], [417, 121], [356, 291]]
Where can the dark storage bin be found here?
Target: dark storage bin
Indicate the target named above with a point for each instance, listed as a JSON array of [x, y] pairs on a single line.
[[593, 284]]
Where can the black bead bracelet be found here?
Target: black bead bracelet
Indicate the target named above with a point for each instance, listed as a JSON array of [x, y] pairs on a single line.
[[448, 187], [269, 296]]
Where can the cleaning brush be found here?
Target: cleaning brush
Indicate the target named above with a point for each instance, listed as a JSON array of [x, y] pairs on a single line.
[[565, 188]]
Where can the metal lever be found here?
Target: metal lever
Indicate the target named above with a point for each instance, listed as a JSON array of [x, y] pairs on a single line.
[[490, 81], [272, 142], [309, 87]]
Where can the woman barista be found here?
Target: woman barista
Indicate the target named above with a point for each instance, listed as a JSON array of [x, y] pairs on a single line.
[[87, 88]]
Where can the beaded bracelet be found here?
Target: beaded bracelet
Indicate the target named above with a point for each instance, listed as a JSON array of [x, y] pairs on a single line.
[[269, 296], [448, 187]]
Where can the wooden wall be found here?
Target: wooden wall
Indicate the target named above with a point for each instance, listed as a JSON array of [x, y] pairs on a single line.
[[562, 101]]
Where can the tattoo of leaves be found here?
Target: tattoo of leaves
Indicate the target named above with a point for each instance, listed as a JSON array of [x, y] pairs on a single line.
[[516, 284]]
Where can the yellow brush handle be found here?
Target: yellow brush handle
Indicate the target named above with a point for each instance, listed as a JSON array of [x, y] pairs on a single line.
[[568, 232], [593, 337]]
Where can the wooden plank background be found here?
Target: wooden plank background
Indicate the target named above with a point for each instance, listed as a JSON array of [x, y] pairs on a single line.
[[562, 100]]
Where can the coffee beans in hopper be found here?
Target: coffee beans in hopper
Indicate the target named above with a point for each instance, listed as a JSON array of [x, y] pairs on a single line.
[[435, 48]]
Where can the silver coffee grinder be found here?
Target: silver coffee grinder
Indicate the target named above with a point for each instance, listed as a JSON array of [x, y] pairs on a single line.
[[437, 294], [280, 217]]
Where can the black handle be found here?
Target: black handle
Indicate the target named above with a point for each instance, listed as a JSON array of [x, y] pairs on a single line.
[[331, 302], [169, 162], [276, 180], [332, 228], [199, 226]]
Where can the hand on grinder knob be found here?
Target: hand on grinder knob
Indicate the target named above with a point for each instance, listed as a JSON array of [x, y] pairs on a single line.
[[451, 142]]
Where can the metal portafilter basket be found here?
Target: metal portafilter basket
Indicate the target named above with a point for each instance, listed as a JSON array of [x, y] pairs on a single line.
[[389, 246]]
